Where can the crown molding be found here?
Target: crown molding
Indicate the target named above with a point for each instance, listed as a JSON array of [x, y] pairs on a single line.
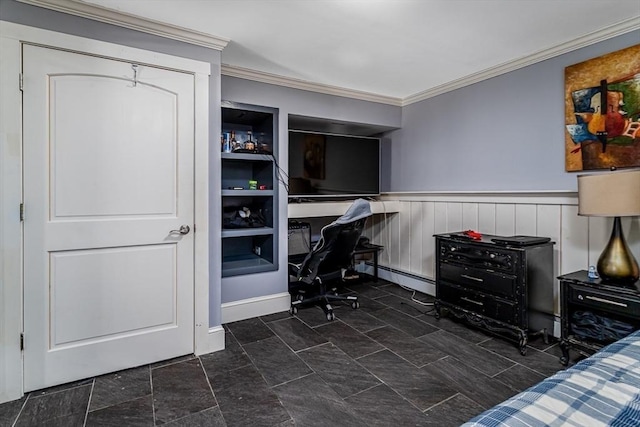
[[274, 79], [133, 22], [586, 40]]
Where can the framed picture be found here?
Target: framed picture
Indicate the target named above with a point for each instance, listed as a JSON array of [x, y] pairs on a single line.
[[314, 152], [602, 112]]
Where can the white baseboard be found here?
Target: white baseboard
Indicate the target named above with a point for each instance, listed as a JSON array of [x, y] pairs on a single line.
[[252, 307], [213, 342], [409, 281]]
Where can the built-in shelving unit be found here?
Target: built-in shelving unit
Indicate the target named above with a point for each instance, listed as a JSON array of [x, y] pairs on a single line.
[[249, 246]]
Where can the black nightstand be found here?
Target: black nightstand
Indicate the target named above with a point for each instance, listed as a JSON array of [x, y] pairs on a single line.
[[610, 307]]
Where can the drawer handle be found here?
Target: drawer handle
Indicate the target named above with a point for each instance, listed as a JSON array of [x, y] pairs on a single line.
[[606, 301], [471, 301], [477, 279]]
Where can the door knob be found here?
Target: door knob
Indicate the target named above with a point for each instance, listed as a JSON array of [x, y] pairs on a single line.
[[184, 229]]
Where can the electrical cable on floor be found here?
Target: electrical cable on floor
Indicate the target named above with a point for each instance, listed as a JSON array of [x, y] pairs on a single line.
[[428, 312], [413, 296]]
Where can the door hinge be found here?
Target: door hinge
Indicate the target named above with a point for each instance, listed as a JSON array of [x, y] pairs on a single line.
[[21, 342], [21, 81], [194, 228], [21, 212]]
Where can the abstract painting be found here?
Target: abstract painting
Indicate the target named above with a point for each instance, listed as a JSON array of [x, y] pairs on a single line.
[[602, 112]]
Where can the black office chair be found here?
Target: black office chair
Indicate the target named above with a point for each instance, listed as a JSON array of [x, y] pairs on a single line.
[[327, 262]]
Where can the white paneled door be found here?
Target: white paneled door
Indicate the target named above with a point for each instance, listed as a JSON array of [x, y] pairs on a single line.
[[108, 184]]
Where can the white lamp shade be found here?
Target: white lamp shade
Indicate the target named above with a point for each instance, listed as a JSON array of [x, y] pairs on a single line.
[[610, 194]]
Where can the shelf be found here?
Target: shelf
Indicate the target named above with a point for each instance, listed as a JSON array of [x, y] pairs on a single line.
[[319, 209], [245, 232], [248, 156], [245, 264], [248, 193]]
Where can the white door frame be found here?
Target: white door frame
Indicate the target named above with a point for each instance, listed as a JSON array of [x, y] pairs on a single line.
[[12, 36]]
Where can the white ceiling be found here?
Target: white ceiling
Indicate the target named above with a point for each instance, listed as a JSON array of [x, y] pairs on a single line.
[[392, 48]]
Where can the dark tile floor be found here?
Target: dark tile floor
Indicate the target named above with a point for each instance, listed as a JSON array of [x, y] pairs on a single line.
[[388, 363]]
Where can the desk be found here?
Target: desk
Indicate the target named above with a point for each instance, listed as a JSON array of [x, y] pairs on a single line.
[[370, 248], [320, 209]]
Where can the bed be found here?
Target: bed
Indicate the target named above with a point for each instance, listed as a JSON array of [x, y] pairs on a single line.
[[601, 390]]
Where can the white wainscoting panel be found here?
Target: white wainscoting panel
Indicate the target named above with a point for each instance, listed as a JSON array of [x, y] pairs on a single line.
[[549, 224], [428, 229], [470, 216], [487, 218], [440, 218], [599, 233], [410, 246], [505, 219], [525, 221], [575, 238], [454, 216], [405, 236], [416, 258]]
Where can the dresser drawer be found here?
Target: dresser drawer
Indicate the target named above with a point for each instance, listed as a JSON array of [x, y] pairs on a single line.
[[483, 280], [487, 305], [604, 301], [479, 256]]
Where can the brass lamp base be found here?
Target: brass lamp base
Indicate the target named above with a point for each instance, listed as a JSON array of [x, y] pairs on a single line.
[[616, 263]]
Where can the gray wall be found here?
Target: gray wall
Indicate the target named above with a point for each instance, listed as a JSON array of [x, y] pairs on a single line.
[[505, 133], [310, 104], [33, 16], [301, 103]]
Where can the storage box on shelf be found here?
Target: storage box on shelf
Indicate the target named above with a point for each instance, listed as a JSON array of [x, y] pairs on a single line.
[[249, 190]]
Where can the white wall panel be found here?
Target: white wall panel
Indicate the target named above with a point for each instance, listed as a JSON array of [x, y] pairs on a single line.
[[548, 224], [416, 258], [378, 228], [470, 216], [428, 241], [574, 243], [631, 229], [404, 242], [505, 219], [599, 233], [454, 217], [526, 220], [391, 239], [440, 217], [487, 218]]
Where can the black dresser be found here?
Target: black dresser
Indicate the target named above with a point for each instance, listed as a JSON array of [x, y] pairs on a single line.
[[594, 313], [505, 287]]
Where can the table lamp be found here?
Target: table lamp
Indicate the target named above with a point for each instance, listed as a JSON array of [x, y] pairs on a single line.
[[615, 195]]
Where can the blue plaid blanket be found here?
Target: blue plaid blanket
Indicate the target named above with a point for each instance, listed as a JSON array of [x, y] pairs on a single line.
[[602, 390]]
